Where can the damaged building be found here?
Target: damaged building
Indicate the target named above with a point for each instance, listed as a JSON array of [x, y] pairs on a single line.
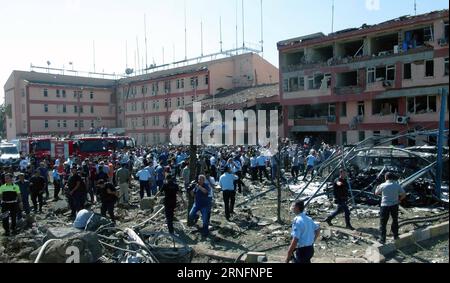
[[374, 80]]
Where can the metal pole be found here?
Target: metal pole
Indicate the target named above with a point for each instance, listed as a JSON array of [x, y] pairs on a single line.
[[279, 183], [443, 93]]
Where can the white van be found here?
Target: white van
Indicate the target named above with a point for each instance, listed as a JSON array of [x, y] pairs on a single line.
[[9, 154]]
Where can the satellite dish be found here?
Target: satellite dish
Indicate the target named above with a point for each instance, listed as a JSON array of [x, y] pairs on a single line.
[[129, 71], [48, 63]]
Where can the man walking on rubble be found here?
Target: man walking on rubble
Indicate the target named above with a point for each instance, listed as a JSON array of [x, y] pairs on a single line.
[[201, 191], [340, 191], [170, 190], [123, 179], [392, 194], [226, 183], [304, 233], [108, 197]]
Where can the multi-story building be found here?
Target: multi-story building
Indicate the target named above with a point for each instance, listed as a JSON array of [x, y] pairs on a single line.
[[374, 80], [147, 101], [49, 104], [44, 104]]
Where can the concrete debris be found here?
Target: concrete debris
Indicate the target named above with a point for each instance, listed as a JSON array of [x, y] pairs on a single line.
[[85, 244]]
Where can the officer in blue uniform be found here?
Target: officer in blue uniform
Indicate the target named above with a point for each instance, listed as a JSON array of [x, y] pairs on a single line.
[[304, 233]]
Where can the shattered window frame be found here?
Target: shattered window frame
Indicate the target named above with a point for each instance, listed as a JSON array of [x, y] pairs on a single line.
[[371, 77]]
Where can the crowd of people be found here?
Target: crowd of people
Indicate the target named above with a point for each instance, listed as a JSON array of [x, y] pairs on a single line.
[[166, 170]]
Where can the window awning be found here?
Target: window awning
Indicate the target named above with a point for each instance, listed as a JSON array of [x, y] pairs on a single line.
[[432, 90], [314, 129]]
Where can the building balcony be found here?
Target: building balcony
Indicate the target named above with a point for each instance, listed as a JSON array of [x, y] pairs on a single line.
[[348, 90], [319, 121]]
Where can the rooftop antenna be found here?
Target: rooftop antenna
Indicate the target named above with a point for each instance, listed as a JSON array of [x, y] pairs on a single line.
[[137, 48], [185, 32], [237, 52], [201, 37], [415, 7], [163, 55], [146, 49], [332, 16], [221, 42], [243, 26], [173, 46], [126, 54], [93, 50], [262, 29]]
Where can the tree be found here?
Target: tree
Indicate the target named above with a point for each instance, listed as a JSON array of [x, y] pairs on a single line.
[[2, 121]]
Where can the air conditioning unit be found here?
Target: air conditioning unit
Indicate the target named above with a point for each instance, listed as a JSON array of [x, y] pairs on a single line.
[[443, 41], [387, 83], [403, 120]]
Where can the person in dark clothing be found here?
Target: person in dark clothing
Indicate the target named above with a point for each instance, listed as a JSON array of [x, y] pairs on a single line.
[[44, 173], [340, 190], [108, 197], [170, 189], [76, 192], [37, 188], [11, 200], [24, 186]]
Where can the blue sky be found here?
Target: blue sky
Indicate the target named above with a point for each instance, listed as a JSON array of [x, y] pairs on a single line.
[[63, 31]]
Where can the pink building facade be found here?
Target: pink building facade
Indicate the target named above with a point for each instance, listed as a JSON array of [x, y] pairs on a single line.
[[374, 80], [49, 104]]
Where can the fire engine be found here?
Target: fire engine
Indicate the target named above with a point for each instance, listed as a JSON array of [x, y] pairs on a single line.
[[39, 146], [96, 146]]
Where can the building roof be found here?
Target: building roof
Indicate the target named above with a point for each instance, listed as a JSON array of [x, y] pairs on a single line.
[[364, 29], [180, 70], [55, 79], [243, 97]]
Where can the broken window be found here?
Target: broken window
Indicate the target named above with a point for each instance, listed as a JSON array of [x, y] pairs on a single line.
[[429, 68], [295, 58], [418, 37], [407, 71], [332, 110], [446, 32], [361, 108], [293, 84], [362, 136], [390, 73], [310, 82], [350, 49], [347, 79], [344, 138], [286, 85], [344, 109], [370, 75], [318, 78], [422, 104], [384, 106], [301, 83], [384, 45], [446, 67], [321, 54]]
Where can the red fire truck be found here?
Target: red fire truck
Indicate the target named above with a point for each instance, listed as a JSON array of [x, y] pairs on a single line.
[[39, 146], [95, 146]]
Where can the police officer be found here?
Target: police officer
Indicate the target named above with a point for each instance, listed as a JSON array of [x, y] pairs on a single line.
[[304, 233], [11, 201], [340, 190]]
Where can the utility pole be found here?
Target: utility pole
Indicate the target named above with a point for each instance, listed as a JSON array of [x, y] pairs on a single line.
[[443, 93], [278, 159]]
